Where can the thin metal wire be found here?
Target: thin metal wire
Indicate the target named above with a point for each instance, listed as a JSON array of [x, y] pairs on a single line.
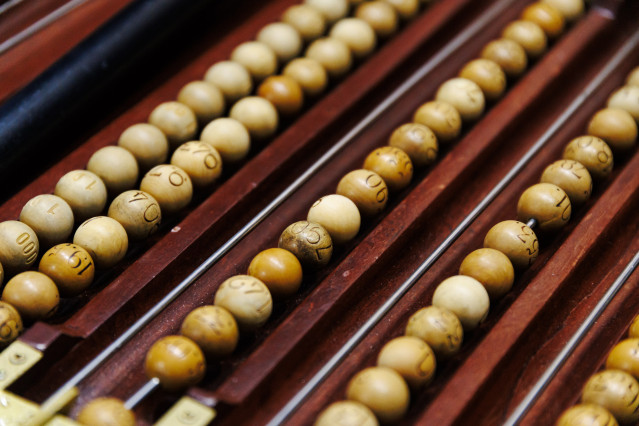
[[321, 375], [142, 393]]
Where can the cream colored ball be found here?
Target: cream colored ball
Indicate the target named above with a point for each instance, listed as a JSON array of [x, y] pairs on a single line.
[[489, 76], [204, 98], [176, 120], [258, 58], [117, 168], [439, 328], [232, 78], [381, 16], [258, 115], [464, 95], [633, 78], [200, 161], [138, 212], [465, 297], [147, 143], [247, 299], [332, 10], [50, 217], [229, 137], [309, 74], [283, 38], [333, 54], [170, 186], [626, 98], [338, 215], [105, 240], [84, 191], [308, 21], [19, 246], [357, 34], [406, 9]]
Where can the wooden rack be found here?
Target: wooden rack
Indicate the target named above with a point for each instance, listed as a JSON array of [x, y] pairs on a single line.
[[499, 361]]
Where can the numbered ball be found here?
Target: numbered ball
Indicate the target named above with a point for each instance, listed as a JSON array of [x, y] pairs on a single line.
[[176, 120], [416, 140], [487, 75], [247, 298], [346, 413], [586, 415], [333, 54], [381, 16], [572, 177], [105, 240], [332, 10], [509, 55], [117, 168], [616, 391], [279, 269], [10, 324], [257, 114], [465, 297], [440, 117], [200, 161], [138, 212], [170, 186], [570, 9], [106, 412], [308, 22], [593, 153], [147, 143], [548, 204], [177, 361], [529, 35], [382, 390], [626, 98], [625, 356], [309, 74], [633, 331], [464, 95], [283, 39], [338, 215], [413, 359], [439, 328], [85, 193], [229, 137], [18, 246], [69, 266], [284, 93], [309, 242], [366, 189], [50, 217], [232, 78], [214, 330], [616, 127], [393, 165], [258, 58], [205, 99], [357, 34], [516, 240], [491, 268], [548, 17], [33, 294]]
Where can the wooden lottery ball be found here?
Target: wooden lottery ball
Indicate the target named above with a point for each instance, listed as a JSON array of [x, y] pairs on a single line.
[[572, 177], [106, 412], [593, 153], [416, 140], [393, 165], [232, 78], [308, 21], [200, 161], [177, 361], [204, 99], [229, 137], [176, 120], [633, 78], [333, 54], [465, 297], [138, 212], [626, 98], [548, 17], [309, 242], [487, 75], [586, 415], [19, 246], [439, 328], [633, 331], [10, 324], [616, 127], [406, 9], [69, 266], [50, 217], [284, 92], [170, 186], [411, 357], [509, 55], [259, 59], [346, 413], [625, 356], [117, 168], [366, 189], [105, 240], [464, 95], [33, 294], [382, 390], [257, 114], [247, 298], [283, 39], [381, 16], [214, 330], [84, 191], [309, 74], [440, 117], [516, 240], [147, 143], [616, 391], [332, 10], [279, 269], [548, 204], [491, 268], [529, 35], [357, 34], [338, 215], [570, 9]]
